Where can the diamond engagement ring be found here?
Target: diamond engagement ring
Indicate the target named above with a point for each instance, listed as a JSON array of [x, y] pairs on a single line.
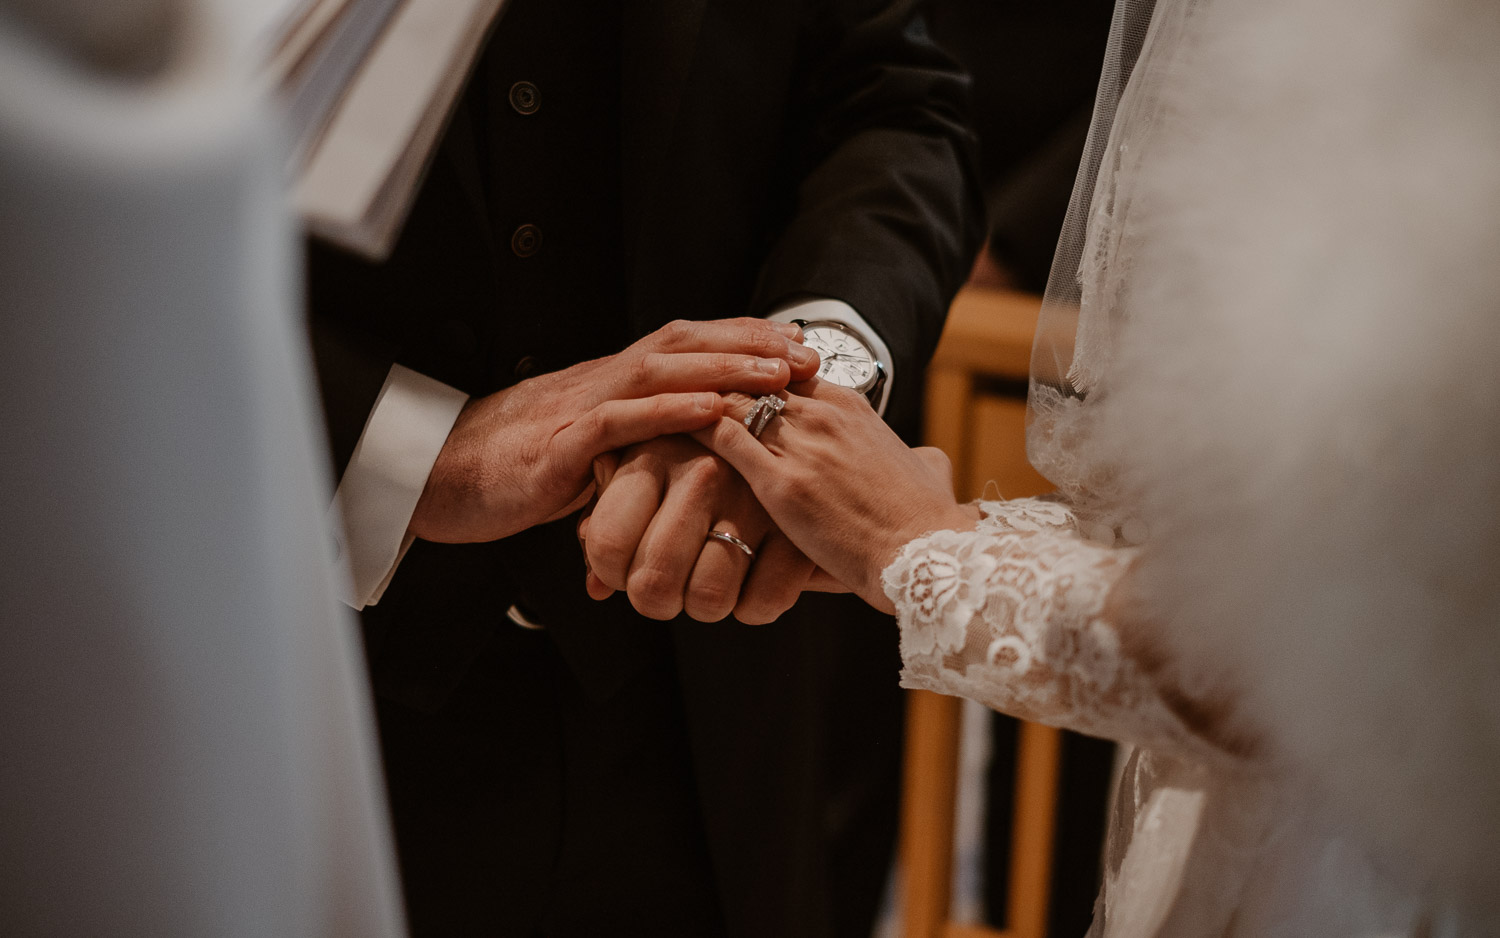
[[732, 541], [761, 413]]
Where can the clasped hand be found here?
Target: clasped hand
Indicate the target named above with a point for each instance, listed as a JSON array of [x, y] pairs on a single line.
[[840, 483], [648, 535], [822, 499], [825, 498], [525, 455]]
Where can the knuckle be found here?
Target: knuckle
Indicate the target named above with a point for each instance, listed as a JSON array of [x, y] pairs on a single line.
[[594, 423], [654, 592], [778, 491], [642, 367], [764, 343], [832, 413], [729, 368], [737, 404], [675, 333], [814, 415], [691, 479], [937, 460], [711, 601], [640, 458], [800, 486], [609, 550], [702, 473], [704, 467]]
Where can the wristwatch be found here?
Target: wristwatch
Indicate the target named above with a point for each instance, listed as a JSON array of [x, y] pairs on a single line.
[[848, 358]]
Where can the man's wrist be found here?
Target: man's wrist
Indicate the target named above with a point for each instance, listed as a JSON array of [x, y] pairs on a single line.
[[386, 476], [822, 308]]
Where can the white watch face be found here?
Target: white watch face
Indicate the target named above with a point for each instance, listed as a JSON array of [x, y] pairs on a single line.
[[847, 360]]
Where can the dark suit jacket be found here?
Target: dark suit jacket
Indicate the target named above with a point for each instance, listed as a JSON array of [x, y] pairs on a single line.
[[767, 150]]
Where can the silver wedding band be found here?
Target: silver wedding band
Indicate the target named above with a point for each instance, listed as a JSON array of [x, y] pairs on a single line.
[[732, 541], [761, 413]]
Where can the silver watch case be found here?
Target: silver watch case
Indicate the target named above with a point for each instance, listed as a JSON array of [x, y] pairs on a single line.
[[872, 386]]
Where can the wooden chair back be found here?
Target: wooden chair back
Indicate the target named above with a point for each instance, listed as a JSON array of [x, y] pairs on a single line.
[[976, 413]]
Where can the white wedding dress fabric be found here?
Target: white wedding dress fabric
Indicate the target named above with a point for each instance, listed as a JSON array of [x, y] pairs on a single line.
[[186, 740], [1265, 385]]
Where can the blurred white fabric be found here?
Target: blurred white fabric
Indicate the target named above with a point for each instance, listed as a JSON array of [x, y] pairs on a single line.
[[187, 741], [1268, 355]]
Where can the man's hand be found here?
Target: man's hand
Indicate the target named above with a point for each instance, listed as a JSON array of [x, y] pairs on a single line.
[[648, 535], [524, 455]]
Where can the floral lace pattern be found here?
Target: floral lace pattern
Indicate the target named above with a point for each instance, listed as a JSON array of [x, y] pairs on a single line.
[[1012, 615]]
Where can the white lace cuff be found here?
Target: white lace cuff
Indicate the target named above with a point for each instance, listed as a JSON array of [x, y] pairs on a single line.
[[1012, 615]]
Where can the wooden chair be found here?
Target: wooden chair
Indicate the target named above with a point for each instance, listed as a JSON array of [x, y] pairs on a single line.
[[976, 413]]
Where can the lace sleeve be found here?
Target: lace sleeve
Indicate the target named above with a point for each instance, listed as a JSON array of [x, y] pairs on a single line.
[[1012, 615]]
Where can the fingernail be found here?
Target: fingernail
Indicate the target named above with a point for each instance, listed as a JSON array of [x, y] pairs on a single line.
[[770, 366], [790, 330], [706, 400], [801, 353]]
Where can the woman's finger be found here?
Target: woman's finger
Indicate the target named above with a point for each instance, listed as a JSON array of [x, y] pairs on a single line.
[[732, 442]]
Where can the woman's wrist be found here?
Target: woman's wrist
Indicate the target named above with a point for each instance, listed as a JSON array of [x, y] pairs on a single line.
[[951, 517], [964, 517]]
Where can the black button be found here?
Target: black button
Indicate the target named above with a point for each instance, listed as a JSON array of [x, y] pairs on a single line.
[[525, 368], [525, 97], [526, 241]]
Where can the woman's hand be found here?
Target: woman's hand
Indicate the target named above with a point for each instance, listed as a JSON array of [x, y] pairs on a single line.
[[839, 482]]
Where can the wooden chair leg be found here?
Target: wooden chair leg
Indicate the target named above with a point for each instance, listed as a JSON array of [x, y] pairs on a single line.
[[927, 810], [1037, 767]]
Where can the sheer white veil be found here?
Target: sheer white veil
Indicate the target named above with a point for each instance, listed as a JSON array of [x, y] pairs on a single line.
[[1268, 352], [1073, 335]]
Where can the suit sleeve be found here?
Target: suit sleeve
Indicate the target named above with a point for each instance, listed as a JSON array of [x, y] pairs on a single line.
[[351, 370], [888, 211], [386, 424]]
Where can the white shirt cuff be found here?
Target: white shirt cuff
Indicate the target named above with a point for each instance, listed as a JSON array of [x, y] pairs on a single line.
[[839, 311], [412, 417]]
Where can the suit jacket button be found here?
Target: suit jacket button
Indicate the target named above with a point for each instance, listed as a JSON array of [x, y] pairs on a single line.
[[525, 368], [525, 97], [526, 240]]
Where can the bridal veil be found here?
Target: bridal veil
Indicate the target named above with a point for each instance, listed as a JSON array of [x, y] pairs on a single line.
[[1267, 356]]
